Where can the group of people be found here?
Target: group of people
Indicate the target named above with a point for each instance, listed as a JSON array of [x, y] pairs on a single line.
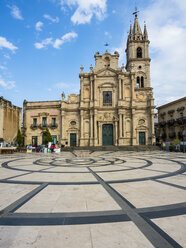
[[42, 148]]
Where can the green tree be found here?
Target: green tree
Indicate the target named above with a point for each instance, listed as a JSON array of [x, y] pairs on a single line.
[[176, 142], [48, 137], [19, 138]]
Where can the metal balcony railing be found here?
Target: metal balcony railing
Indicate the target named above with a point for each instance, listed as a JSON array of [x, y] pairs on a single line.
[[181, 120], [172, 135], [162, 123], [171, 122], [54, 125]]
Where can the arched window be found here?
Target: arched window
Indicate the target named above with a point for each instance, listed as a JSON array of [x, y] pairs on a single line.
[[139, 52], [142, 82], [107, 98], [138, 82], [107, 61]]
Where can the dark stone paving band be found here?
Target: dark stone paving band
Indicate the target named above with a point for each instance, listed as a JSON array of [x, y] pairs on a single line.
[[170, 184], [151, 231], [140, 217], [179, 171], [17, 204], [91, 217], [5, 165]]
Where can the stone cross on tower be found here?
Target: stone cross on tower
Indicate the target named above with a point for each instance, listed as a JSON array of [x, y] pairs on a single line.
[[135, 12]]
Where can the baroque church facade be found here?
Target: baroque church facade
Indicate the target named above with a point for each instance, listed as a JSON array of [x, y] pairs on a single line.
[[115, 105]]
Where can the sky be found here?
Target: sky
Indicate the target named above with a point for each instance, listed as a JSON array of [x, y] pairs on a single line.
[[43, 44]]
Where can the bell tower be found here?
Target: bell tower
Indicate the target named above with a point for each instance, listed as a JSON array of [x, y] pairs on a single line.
[[137, 53]]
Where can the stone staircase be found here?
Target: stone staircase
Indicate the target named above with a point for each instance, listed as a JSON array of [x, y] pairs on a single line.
[[112, 148]]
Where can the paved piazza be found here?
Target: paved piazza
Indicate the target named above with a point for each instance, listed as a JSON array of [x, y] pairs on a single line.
[[93, 200]]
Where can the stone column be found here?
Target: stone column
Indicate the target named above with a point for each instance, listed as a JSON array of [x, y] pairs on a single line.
[[119, 89], [82, 133], [123, 126], [91, 89], [133, 134], [99, 133], [153, 140], [81, 123], [91, 128], [120, 125], [95, 128], [114, 98], [94, 86], [122, 90], [116, 133], [62, 127], [81, 88]]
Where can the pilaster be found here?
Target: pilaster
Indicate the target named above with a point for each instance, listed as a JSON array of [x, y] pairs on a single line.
[[91, 129], [95, 128], [82, 129], [116, 133]]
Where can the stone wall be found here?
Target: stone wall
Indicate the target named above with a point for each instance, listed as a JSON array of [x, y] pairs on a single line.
[[10, 120]]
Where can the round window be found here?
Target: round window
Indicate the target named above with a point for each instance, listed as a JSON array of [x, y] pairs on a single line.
[[73, 123]]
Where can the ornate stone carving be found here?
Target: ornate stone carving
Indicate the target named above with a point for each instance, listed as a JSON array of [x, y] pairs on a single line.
[[141, 121], [140, 96]]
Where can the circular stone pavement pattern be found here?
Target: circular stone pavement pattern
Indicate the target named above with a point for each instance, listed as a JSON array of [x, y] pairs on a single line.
[[99, 199]]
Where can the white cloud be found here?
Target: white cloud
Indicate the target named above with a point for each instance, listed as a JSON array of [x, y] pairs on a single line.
[[65, 38], [39, 26], [8, 84], [3, 68], [6, 44], [15, 12], [166, 25], [55, 20], [167, 33], [7, 56], [44, 43], [86, 9], [56, 43]]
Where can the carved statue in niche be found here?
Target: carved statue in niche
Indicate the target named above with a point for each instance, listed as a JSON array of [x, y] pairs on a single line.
[[63, 96]]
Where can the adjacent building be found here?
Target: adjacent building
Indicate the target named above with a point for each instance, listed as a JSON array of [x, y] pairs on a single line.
[[172, 121], [115, 105], [10, 121]]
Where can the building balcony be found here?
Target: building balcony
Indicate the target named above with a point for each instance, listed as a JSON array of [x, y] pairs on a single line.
[[32, 126], [172, 135], [162, 123], [107, 104], [42, 126], [163, 136], [171, 122], [53, 126], [181, 120]]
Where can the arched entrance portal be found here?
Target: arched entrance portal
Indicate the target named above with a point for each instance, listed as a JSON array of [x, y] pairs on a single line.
[[107, 134]]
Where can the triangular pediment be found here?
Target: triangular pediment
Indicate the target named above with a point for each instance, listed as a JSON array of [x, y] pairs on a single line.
[[106, 72]]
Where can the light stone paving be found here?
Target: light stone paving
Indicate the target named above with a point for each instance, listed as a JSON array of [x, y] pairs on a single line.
[[94, 200]]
